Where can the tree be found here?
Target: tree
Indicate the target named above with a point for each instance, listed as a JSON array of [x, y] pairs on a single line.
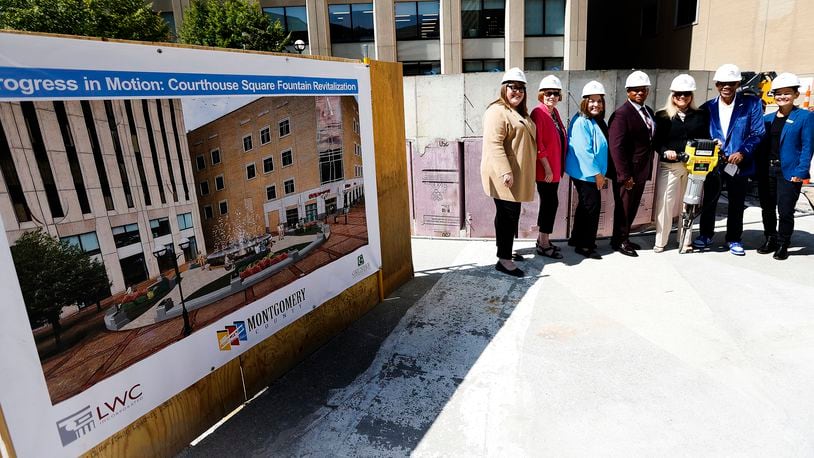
[[122, 19], [53, 275], [238, 24]]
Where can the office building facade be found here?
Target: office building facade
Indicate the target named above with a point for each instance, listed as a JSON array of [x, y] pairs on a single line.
[[112, 177]]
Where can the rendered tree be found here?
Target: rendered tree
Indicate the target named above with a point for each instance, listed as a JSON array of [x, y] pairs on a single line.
[[238, 24], [123, 19], [54, 275]]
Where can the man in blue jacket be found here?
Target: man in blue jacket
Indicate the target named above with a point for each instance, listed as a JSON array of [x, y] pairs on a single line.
[[737, 121]]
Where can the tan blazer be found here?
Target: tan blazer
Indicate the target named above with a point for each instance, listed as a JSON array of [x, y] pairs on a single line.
[[509, 145]]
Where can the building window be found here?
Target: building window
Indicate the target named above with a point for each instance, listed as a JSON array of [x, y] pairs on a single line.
[[417, 20], [289, 186], [294, 20], [285, 127], [265, 135], [126, 235], [112, 124], [686, 12], [148, 123], [207, 210], [219, 184], [357, 149], [484, 65], [351, 23], [292, 216], [169, 18], [421, 67], [87, 242], [330, 166], [287, 157], [251, 171], [73, 157], [204, 188], [310, 212], [650, 18], [483, 18], [44, 164], [184, 221], [215, 156], [247, 143], [355, 126], [271, 192], [223, 207], [268, 164], [160, 226], [200, 162], [357, 171], [543, 63], [545, 17], [12, 180], [145, 188]]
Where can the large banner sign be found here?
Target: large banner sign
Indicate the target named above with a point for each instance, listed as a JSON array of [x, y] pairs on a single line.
[[163, 210]]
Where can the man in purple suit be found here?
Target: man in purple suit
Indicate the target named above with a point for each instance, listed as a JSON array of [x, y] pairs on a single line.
[[631, 132]]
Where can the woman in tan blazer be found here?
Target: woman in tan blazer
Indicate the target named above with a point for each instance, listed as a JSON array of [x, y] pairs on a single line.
[[508, 163]]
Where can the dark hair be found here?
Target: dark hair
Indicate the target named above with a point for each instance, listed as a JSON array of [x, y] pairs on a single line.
[[504, 100], [583, 106]]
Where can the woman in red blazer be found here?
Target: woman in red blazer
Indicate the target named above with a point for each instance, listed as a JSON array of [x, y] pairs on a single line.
[[551, 146]]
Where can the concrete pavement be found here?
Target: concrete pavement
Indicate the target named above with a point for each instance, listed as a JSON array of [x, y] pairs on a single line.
[[703, 354]]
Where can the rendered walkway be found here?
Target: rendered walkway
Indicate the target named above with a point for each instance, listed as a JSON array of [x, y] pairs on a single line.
[[694, 355]]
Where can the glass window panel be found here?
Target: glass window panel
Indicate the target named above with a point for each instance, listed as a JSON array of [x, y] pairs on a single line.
[[494, 18], [406, 21], [493, 65], [471, 66], [362, 20], [340, 23], [533, 63], [555, 17], [89, 242], [428, 20], [275, 14], [297, 20], [534, 17], [470, 18]]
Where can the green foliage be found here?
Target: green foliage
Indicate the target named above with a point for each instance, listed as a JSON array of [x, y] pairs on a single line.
[[238, 24], [54, 275], [122, 19]]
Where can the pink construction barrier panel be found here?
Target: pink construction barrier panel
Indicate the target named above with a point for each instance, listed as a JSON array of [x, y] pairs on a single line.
[[436, 183]]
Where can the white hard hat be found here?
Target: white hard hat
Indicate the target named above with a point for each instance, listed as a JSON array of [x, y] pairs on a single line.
[[785, 80], [550, 82], [683, 83], [727, 73], [514, 74], [593, 88], [637, 79]]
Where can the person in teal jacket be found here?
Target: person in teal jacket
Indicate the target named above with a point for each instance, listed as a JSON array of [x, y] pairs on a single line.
[[783, 164], [736, 120], [587, 163]]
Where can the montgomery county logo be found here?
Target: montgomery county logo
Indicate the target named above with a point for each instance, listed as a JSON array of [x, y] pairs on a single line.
[[362, 267], [76, 425], [360, 260], [232, 335]]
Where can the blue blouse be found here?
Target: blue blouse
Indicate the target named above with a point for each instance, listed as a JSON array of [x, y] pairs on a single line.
[[587, 150]]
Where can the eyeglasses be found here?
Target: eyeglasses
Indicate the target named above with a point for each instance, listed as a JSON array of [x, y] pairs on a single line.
[[638, 89], [516, 88], [726, 83], [682, 94], [551, 93]]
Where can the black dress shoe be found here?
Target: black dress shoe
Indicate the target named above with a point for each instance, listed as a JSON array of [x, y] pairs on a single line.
[[769, 246], [517, 257], [627, 249], [782, 252], [514, 273], [588, 253], [635, 245]]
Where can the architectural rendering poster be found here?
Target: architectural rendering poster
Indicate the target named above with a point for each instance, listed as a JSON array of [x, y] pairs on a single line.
[[162, 210]]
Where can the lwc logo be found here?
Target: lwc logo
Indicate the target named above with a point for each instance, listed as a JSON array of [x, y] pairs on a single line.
[[84, 420], [232, 335]]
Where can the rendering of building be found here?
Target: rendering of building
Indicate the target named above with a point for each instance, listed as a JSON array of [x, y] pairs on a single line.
[[274, 163], [433, 37], [110, 176]]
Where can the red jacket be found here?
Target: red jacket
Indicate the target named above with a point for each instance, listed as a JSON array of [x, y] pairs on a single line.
[[549, 142]]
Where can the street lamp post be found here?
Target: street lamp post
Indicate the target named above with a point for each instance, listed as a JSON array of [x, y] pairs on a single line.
[[164, 251], [299, 46]]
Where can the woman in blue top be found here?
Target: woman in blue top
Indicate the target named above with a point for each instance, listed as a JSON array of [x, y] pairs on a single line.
[[587, 163], [783, 164]]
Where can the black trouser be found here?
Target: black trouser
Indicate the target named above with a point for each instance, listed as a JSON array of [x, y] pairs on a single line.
[[736, 192], [507, 217], [778, 194], [625, 205], [586, 217], [548, 205]]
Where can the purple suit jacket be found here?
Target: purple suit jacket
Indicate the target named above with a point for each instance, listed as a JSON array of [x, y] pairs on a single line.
[[630, 145]]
